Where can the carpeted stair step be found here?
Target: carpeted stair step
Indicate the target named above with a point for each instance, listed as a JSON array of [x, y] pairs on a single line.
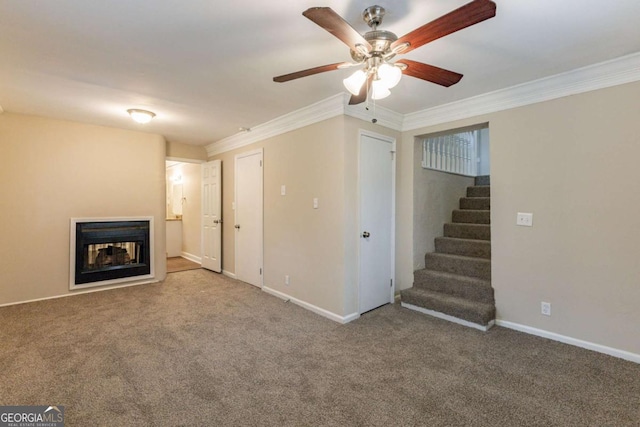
[[457, 264], [468, 231], [479, 191], [483, 180], [465, 247], [471, 311], [471, 216], [469, 288], [475, 203]]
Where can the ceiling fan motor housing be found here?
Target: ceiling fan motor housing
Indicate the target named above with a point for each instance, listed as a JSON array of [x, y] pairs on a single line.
[[380, 42]]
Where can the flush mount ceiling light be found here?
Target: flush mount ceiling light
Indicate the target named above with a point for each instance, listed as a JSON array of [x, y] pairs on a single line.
[[141, 116], [372, 52]]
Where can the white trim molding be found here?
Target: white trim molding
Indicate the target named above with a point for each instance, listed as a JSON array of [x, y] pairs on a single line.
[[443, 316], [333, 106], [228, 274], [326, 109], [615, 72], [622, 354], [191, 257], [184, 160], [625, 69], [82, 292], [383, 116], [321, 311]]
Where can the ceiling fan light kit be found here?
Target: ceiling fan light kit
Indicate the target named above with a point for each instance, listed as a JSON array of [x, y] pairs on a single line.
[[390, 75], [354, 82], [374, 50], [379, 90]]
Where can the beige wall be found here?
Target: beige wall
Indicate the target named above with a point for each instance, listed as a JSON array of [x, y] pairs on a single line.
[[572, 162], [315, 247], [436, 195], [54, 170], [178, 151], [299, 241]]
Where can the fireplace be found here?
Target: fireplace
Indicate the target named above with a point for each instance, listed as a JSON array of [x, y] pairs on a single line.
[[110, 250]]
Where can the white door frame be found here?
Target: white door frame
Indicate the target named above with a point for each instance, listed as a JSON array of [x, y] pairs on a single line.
[[392, 141], [235, 216]]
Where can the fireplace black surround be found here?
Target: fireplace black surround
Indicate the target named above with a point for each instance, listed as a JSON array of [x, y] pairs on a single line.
[[110, 251]]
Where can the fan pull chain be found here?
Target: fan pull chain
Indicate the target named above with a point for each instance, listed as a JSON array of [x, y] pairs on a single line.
[[371, 100]]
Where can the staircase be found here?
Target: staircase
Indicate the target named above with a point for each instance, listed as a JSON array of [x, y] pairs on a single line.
[[456, 283]]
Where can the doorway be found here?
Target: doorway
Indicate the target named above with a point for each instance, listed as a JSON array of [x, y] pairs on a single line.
[[182, 221], [376, 182], [249, 217]]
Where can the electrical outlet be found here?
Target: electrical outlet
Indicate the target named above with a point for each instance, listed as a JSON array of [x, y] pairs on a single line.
[[525, 219], [545, 308], [315, 203], [283, 190], [286, 280]]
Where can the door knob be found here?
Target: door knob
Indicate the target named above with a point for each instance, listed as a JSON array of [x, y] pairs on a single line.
[[366, 234], [215, 221], [237, 226]]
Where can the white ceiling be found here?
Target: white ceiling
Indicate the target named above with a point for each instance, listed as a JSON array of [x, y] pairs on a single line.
[[206, 67]]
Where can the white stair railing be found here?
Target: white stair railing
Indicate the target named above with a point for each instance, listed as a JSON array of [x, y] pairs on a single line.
[[455, 153]]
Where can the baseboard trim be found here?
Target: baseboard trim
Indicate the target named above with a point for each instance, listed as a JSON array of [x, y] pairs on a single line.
[[621, 354], [449, 318], [229, 274], [321, 311], [191, 257], [88, 291]]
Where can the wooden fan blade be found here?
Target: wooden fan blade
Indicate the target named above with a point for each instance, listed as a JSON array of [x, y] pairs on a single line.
[[430, 73], [362, 96], [463, 17], [332, 22], [305, 73]]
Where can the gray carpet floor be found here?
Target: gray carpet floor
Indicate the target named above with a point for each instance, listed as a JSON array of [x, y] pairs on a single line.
[[200, 349]]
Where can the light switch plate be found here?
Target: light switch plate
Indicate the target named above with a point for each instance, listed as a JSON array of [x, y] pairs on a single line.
[[283, 190], [525, 219], [315, 203]]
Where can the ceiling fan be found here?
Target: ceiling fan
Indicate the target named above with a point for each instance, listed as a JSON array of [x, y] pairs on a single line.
[[374, 50]]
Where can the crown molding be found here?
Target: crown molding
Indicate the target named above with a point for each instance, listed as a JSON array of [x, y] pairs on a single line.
[[323, 110], [615, 72], [333, 106], [383, 116]]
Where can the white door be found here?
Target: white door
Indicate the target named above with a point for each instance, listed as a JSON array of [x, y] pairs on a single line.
[[376, 184], [211, 216], [248, 217]]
